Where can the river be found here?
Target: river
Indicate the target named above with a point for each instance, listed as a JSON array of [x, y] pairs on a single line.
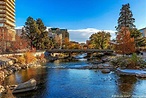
[[56, 82]]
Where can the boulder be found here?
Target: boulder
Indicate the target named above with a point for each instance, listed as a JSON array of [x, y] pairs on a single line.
[[105, 71], [141, 75], [1, 75], [5, 72], [26, 86], [100, 66], [94, 66], [2, 89], [135, 72]]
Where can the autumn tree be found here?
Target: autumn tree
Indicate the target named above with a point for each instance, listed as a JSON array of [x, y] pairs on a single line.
[[100, 40], [5, 40], [126, 18], [19, 43], [73, 46], [125, 44]]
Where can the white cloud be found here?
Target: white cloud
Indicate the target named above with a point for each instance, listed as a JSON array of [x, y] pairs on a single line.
[[48, 28], [81, 35], [19, 27]]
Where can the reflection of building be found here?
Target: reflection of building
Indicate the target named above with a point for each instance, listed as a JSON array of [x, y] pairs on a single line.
[[143, 31], [7, 17]]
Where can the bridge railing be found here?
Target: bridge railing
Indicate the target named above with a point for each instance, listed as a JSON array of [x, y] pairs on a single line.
[[78, 50]]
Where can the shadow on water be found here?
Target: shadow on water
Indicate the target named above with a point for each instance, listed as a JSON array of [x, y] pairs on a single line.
[[39, 74], [53, 82], [126, 85]]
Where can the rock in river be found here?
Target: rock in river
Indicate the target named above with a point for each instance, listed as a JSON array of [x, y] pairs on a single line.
[[105, 71]]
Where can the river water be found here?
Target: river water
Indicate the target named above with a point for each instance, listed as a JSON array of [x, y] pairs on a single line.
[[56, 82]]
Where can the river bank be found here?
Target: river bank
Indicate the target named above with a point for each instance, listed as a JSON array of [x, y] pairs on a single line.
[[76, 83], [101, 66], [10, 65]]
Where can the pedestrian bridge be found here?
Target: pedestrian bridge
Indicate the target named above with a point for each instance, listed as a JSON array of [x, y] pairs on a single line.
[[80, 51]]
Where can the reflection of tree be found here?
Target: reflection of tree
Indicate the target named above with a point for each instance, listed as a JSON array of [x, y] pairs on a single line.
[[41, 76], [126, 84]]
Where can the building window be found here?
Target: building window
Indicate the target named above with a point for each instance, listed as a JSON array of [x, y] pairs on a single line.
[[1, 24]]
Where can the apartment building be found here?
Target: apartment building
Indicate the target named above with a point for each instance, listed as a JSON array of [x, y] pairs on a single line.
[[143, 31], [7, 18], [58, 35]]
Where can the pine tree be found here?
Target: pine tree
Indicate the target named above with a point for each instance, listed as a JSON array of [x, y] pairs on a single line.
[[126, 18], [40, 37], [35, 32], [41, 25], [138, 38], [31, 31]]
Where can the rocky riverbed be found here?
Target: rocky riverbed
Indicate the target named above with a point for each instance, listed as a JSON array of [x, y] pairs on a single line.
[[9, 65]]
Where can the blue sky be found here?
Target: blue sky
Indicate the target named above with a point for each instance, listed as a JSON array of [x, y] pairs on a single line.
[[80, 17]]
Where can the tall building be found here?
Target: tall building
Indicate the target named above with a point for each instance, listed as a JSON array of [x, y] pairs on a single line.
[[58, 35], [18, 32], [7, 18]]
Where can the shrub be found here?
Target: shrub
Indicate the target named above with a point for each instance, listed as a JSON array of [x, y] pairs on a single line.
[[29, 57], [42, 56], [120, 62], [21, 59], [132, 62]]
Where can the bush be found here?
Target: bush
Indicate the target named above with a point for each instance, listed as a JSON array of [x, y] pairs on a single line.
[[29, 57], [42, 56], [21, 59], [120, 62], [132, 62]]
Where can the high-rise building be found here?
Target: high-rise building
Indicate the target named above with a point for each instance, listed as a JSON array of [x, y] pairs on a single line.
[[7, 18], [58, 31], [58, 35]]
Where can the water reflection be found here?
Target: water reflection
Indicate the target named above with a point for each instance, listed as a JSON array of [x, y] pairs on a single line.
[[126, 85], [39, 74], [73, 83]]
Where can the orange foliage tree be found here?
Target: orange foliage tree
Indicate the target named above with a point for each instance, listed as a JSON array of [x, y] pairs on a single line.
[[19, 44], [125, 44], [29, 57], [5, 40], [73, 46]]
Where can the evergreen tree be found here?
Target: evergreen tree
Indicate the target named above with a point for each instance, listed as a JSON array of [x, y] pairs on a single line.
[[35, 32], [45, 42], [138, 38], [41, 37], [126, 18], [41, 25], [31, 31]]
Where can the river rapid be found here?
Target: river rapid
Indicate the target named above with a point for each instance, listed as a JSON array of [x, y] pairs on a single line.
[[56, 82]]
